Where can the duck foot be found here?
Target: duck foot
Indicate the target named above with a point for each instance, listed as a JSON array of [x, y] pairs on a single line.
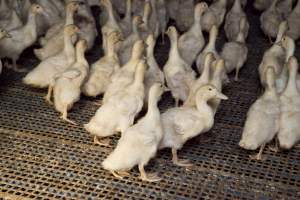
[[48, 100], [151, 177], [102, 142], [119, 174], [182, 162], [64, 118], [259, 155]]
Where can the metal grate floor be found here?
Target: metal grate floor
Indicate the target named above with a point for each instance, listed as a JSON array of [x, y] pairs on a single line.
[[45, 158]]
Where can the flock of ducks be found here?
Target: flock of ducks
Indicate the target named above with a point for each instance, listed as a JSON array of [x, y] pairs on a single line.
[[130, 79]]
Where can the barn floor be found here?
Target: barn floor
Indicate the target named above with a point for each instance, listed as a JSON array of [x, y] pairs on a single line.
[[43, 157]]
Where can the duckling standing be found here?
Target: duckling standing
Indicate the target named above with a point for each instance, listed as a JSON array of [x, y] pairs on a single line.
[[233, 22], [178, 73], [67, 85], [270, 20], [235, 53], [183, 123], [102, 71], [118, 113], [289, 131], [140, 142], [21, 38], [191, 42], [262, 123], [42, 75], [214, 15]]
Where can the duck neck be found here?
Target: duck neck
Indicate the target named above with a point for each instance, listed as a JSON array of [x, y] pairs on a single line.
[[69, 17], [135, 29], [270, 92], [290, 52], [203, 107], [212, 41], [197, 22], [150, 50], [297, 8], [146, 15], [240, 37], [110, 12], [128, 11], [291, 87], [80, 57], [30, 26], [69, 49], [138, 77], [237, 7], [152, 106], [205, 73], [174, 52], [110, 49]]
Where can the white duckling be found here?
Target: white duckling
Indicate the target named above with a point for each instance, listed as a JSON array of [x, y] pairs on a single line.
[[262, 5], [204, 79], [262, 123], [118, 113], [289, 45], [139, 142], [42, 75], [21, 38], [233, 20], [294, 22], [274, 57], [111, 25], [153, 74], [235, 53], [54, 44], [270, 20], [289, 131], [125, 75], [126, 22], [178, 73], [102, 70], [66, 86], [183, 123], [191, 42], [214, 15], [210, 47], [127, 45], [3, 34]]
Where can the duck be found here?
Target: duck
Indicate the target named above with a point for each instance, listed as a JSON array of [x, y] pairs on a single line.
[[232, 22], [54, 44], [294, 22], [177, 72], [262, 123], [125, 75], [235, 53], [184, 15], [186, 122], [118, 113], [191, 42], [262, 5], [289, 46], [125, 23], [111, 25], [145, 136], [127, 45], [102, 70], [153, 74], [274, 56], [289, 134], [3, 34], [42, 75], [204, 79], [214, 15], [66, 86], [285, 7], [21, 38], [270, 20], [210, 47]]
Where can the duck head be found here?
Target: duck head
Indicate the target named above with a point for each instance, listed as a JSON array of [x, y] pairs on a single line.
[[37, 9], [71, 29], [72, 6], [208, 92]]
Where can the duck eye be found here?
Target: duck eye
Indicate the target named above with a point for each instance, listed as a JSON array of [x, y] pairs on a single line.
[[209, 89]]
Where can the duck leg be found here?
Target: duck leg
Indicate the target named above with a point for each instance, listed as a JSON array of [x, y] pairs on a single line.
[[16, 68], [148, 177], [181, 163], [103, 142], [119, 174], [49, 94], [259, 155], [275, 148], [236, 77], [176, 102], [64, 116]]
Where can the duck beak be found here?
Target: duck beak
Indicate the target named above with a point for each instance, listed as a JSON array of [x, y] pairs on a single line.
[[221, 96]]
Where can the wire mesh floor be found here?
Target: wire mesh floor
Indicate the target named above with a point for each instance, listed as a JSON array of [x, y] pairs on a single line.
[[43, 157]]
